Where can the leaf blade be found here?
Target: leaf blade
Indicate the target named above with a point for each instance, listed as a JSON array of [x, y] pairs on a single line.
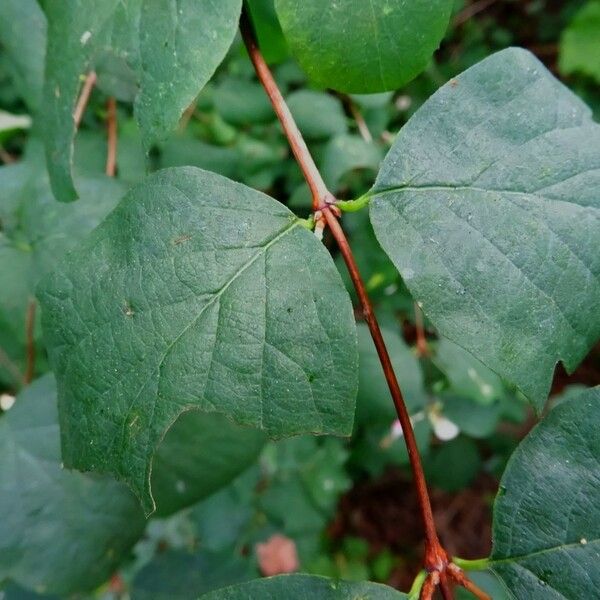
[[459, 208], [546, 534], [302, 586], [224, 296]]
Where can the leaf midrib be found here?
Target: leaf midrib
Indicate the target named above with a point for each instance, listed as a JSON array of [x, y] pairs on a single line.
[[156, 370], [469, 188]]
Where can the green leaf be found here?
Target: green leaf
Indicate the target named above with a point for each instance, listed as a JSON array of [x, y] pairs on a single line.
[[196, 292], [268, 30], [309, 479], [345, 153], [181, 45], [374, 403], [318, 115], [200, 454], [172, 50], [547, 514], [580, 43], [23, 38], [487, 205], [60, 531], [477, 419], [357, 46], [454, 465], [467, 376], [299, 587], [37, 232], [242, 102], [178, 575]]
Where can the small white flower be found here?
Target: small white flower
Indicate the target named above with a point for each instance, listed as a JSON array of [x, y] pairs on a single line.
[[6, 401]]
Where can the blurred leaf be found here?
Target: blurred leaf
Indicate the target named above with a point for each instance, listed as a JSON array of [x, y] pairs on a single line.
[[268, 30], [37, 233], [453, 465], [346, 153], [318, 115], [177, 575], [374, 403], [466, 375], [473, 418], [242, 102], [200, 454], [61, 531], [300, 587], [23, 38], [580, 43]]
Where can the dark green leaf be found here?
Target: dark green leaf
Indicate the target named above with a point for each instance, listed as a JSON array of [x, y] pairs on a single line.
[[374, 403], [173, 49], [195, 292], [345, 153], [23, 38], [466, 375], [60, 531], [487, 206], [300, 587], [177, 575], [200, 454], [357, 46], [318, 115], [547, 513]]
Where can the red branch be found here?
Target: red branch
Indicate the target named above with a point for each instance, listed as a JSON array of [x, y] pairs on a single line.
[[315, 182], [325, 212], [84, 97], [111, 131]]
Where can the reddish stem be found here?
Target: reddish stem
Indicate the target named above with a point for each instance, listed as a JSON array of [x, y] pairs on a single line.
[[30, 341], [84, 97], [429, 586], [435, 556], [315, 182], [436, 559], [445, 586], [459, 576], [111, 130]]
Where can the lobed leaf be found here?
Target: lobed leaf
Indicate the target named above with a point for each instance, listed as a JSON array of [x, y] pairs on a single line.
[[487, 205], [363, 47], [196, 292], [547, 513]]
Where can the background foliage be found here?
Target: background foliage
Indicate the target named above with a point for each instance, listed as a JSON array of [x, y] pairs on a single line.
[[345, 503]]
